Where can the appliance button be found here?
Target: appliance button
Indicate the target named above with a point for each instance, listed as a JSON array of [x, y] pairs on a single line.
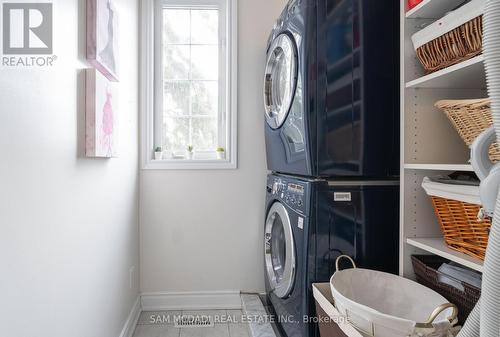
[[299, 202]]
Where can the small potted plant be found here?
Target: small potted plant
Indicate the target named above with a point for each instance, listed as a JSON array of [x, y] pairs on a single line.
[[221, 153], [158, 153], [190, 152]]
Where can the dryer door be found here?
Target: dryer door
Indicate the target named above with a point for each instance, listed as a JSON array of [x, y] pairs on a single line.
[[279, 251], [281, 80]]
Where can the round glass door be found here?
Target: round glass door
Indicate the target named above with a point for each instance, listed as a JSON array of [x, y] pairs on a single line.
[[280, 81], [279, 251]]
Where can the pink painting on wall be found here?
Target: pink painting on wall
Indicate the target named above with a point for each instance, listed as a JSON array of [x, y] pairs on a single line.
[[101, 115], [102, 37]]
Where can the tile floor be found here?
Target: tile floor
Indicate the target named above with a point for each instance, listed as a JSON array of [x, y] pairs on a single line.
[[253, 307], [252, 321], [228, 323]]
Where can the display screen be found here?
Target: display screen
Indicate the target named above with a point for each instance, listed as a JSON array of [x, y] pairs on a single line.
[[295, 188]]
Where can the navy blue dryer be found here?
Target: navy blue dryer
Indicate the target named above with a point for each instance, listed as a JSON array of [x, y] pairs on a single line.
[[309, 223], [331, 89]]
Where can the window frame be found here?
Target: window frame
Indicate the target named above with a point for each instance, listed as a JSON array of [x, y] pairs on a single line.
[[151, 84]]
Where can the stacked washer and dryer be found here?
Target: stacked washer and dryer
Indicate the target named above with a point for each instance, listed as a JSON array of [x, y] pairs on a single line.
[[332, 138]]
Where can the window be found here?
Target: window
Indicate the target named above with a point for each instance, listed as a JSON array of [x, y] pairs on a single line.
[[189, 77]]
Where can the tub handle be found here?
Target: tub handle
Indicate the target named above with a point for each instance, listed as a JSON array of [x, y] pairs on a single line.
[[337, 268], [452, 319]]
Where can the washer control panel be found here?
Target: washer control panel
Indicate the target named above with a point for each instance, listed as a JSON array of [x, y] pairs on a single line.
[[292, 193]]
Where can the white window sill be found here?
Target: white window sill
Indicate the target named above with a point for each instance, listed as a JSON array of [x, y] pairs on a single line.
[[190, 164]]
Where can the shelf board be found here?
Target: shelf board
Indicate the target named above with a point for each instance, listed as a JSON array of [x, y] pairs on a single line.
[[469, 74], [438, 247], [432, 9], [440, 167]]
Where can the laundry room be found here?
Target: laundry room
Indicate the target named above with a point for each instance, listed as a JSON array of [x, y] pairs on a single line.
[[250, 168]]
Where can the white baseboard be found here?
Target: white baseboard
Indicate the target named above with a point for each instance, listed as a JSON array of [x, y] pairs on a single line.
[[202, 300], [132, 319]]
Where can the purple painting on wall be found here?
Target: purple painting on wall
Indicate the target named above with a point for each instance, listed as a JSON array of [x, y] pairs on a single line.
[[101, 115], [102, 37]]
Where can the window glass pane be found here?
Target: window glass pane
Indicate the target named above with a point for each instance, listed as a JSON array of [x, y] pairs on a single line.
[[176, 25], [204, 133], [176, 62], [204, 62], [190, 80], [176, 134], [204, 98], [204, 26], [176, 98]]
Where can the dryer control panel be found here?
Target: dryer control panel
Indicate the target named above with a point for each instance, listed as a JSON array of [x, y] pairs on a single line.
[[289, 191]]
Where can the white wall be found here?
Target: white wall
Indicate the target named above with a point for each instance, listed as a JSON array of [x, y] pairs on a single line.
[[203, 230], [68, 225]]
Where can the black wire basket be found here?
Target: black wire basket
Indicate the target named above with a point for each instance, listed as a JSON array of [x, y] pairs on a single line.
[[426, 269]]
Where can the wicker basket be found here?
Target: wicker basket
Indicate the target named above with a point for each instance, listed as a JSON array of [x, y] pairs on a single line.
[[470, 118], [452, 39], [426, 269], [456, 46], [462, 229]]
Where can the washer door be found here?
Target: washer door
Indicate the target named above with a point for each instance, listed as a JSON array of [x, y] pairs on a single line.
[[280, 81], [279, 251]]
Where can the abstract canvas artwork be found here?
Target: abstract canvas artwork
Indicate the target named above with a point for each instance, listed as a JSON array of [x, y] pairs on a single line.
[[102, 37], [101, 115]]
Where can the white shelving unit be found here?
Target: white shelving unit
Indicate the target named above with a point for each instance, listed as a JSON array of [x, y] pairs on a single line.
[[440, 167], [429, 143], [432, 9], [466, 75], [437, 246]]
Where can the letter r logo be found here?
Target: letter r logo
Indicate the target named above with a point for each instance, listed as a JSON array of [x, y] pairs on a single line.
[[27, 28]]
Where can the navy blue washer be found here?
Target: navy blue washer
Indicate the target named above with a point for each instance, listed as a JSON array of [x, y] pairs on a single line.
[[326, 219]]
